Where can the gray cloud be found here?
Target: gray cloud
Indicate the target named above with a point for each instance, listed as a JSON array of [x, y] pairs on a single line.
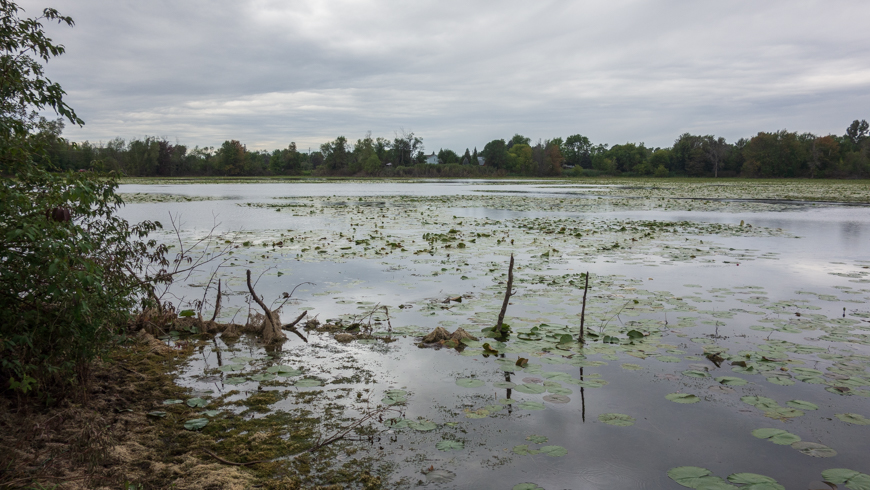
[[459, 73]]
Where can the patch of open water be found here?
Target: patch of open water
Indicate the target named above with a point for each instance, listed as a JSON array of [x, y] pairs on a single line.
[[779, 301]]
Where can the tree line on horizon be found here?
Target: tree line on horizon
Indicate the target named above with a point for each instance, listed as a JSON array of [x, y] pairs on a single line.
[[780, 154]]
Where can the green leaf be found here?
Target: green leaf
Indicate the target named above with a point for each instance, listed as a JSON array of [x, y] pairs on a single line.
[[731, 381], [469, 383], [682, 398], [172, 402], [195, 424], [197, 403], [523, 450], [211, 413], [157, 414], [852, 479], [422, 425], [536, 439], [688, 476], [617, 419], [187, 313], [449, 445], [853, 418], [696, 373], [529, 405], [556, 451], [530, 388], [235, 381], [527, 486], [802, 405], [263, 377], [227, 368], [776, 436], [307, 383], [814, 449], [748, 478]]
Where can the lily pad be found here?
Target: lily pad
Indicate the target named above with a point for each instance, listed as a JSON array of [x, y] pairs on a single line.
[[235, 381], [211, 413], [228, 368], [617, 419], [682, 398], [422, 425], [556, 398], [731, 381], [157, 414], [196, 424], [853, 418], [556, 451], [531, 389], [536, 439], [469, 383], [523, 450], [755, 480], [631, 367], [527, 486], [850, 478], [802, 405], [776, 436], [197, 403], [530, 405], [695, 373], [263, 377], [814, 449], [307, 383], [689, 476], [504, 385], [449, 445], [172, 402]]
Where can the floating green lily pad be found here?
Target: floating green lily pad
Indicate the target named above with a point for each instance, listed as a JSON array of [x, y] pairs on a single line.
[[157, 414], [530, 388], [536, 439], [469, 383], [853, 418], [617, 419], [235, 381], [814, 449], [523, 450], [850, 478], [731, 380], [504, 385], [530, 405], [689, 476], [776, 436], [172, 402], [755, 481], [197, 403], [307, 383], [631, 367], [556, 451], [682, 398], [227, 368], [527, 486], [422, 425], [449, 445], [556, 398], [802, 405], [196, 424], [695, 373]]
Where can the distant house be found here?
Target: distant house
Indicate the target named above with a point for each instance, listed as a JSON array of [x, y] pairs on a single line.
[[389, 164], [481, 161], [432, 159]]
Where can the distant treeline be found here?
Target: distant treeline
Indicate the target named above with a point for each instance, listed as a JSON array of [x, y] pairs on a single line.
[[777, 154]]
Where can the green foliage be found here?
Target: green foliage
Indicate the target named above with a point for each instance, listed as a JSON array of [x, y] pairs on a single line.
[[67, 279]]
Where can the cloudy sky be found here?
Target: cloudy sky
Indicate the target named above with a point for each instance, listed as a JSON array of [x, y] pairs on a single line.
[[459, 73]]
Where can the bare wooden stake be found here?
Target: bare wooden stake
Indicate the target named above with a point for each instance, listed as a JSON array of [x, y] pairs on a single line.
[[583, 311], [217, 303], [507, 294]]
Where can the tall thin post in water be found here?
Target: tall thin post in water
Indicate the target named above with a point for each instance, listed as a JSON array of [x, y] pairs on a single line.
[[583, 310], [507, 294]]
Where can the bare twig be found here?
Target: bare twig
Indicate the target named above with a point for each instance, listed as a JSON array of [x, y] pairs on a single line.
[[217, 303], [583, 310], [292, 326], [507, 294]]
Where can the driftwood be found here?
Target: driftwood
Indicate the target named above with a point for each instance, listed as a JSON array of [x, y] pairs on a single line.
[[507, 295], [270, 330], [583, 310]]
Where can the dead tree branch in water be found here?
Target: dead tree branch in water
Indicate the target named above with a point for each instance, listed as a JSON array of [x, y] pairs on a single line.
[[507, 295], [583, 310]]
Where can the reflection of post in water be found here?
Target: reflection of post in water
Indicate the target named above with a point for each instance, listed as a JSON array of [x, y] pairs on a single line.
[[582, 398], [507, 378]]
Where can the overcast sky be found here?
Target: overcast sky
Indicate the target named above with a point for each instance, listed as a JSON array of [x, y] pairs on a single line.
[[459, 73]]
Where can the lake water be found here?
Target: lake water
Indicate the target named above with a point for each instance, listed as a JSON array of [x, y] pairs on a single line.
[[775, 292]]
